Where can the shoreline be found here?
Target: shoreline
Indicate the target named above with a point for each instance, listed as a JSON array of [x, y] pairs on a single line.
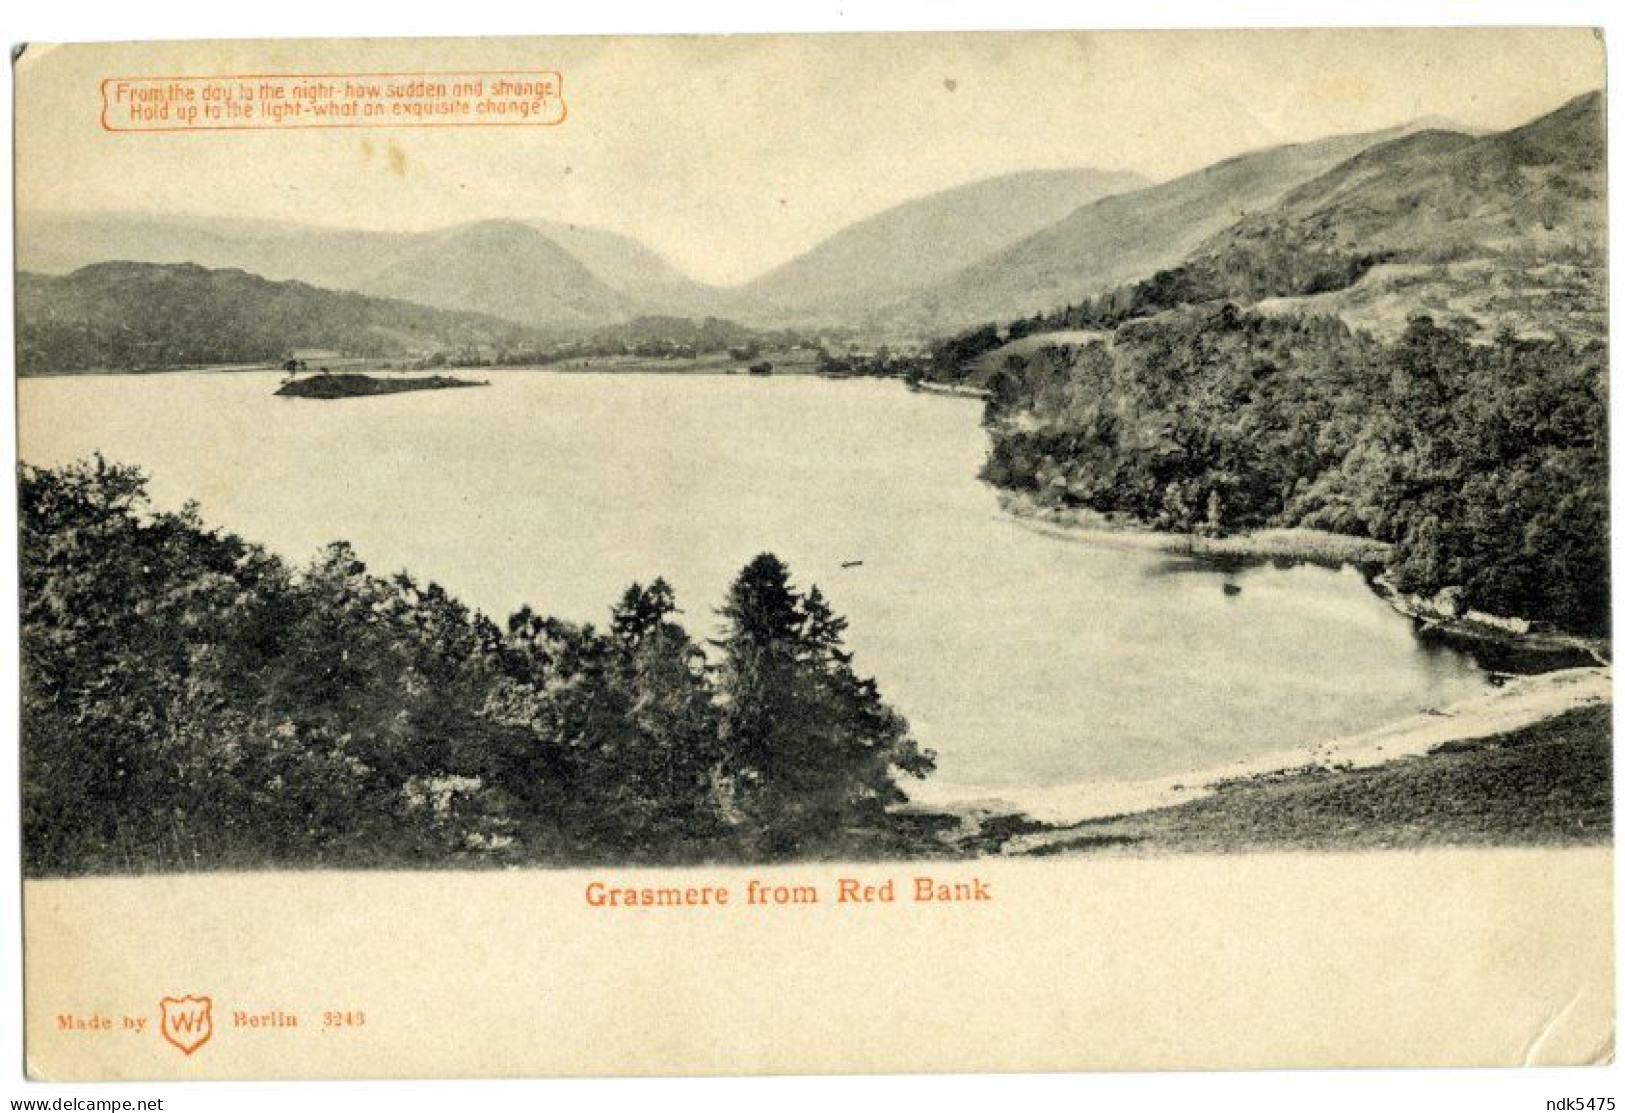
[[1512, 646], [949, 390], [1548, 784], [1519, 703], [1577, 674], [366, 365], [1309, 545]]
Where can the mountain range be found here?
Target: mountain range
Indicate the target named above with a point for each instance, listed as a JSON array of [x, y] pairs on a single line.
[[1126, 236], [1429, 214], [920, 243], [565, 277], [538, 274]]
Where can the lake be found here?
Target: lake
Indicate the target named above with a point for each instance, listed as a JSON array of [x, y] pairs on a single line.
[[1023, 660]]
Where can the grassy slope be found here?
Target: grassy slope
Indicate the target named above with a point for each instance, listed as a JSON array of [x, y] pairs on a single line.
[[1551, 783], [1123, 237], [922, 241], [1502, 230]]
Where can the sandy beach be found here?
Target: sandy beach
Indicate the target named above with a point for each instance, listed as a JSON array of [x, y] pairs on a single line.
[[1520, 702]]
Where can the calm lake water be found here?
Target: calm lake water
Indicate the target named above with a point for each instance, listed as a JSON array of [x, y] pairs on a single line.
[[1022, 659]]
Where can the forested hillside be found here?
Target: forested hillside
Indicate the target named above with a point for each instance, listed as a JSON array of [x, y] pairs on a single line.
[[1251, 386], [542, 274], [1504, 230], [142, 316], [1486, 465], [190, 702]]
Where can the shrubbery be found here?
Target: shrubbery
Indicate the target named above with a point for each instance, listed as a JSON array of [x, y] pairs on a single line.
[[1485, 464], [190, 701]]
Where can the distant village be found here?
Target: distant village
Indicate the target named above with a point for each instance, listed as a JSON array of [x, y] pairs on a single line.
[[710, 344]]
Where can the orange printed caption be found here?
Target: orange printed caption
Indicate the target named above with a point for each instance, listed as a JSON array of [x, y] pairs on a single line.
[[771, 894], [247, 102], [188, 1022]]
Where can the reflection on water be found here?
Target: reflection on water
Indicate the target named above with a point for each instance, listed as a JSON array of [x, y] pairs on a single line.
[[1021, 658]]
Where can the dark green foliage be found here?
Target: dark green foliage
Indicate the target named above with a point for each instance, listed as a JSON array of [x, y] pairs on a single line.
[[809, 745], [1275, 262], [1484, 464], [950, 355], [191, 702], [334, 387]]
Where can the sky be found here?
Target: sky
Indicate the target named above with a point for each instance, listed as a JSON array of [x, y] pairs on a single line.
[[731, 155]]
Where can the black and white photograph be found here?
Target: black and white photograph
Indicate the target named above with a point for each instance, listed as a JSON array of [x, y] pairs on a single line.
[[722, 474]]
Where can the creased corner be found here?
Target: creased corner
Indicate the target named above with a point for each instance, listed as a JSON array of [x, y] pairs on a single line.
[[25, 55], [34, 1072], [1601, 1055]]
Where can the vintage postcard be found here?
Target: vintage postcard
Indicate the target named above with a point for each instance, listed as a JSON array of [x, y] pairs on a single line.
[[814, 553]]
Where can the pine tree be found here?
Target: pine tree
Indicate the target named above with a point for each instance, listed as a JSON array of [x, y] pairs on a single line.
[[808, 745]]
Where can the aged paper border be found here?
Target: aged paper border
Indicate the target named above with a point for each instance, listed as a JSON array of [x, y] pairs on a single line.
[[1009, 991]]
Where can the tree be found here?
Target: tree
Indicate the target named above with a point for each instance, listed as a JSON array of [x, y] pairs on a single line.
[[191, 702], [641, 612], [808, 746], [671, 766]]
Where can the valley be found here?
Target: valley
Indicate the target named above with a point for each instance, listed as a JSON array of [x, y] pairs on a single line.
[[1171, 451]]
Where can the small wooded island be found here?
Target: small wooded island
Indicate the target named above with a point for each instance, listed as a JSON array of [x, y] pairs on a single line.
[[330, 386]]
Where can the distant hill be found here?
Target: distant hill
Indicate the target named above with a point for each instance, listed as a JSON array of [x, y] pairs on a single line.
[[1122, 237], [545, 275], [637, 273], [502, 267], [59, 243], [921, 242], [1485, 233], [1501, 230], [567, 278], [145, 316], [1437, 193]]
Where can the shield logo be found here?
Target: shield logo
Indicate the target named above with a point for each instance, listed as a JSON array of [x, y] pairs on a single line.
[[187, 1022]]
